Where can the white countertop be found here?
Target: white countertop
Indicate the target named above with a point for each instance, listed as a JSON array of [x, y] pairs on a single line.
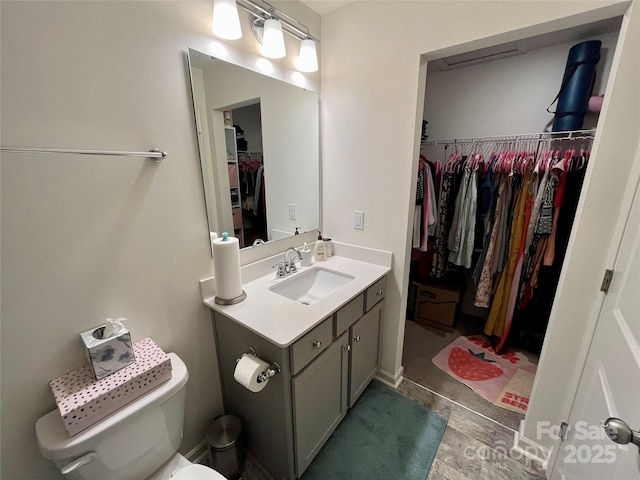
[[282, 321]]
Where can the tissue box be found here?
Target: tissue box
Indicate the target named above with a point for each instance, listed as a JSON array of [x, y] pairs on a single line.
[[107, 355], [83, 401]]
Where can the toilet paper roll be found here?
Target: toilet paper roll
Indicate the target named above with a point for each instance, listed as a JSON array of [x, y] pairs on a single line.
[[247, 371], [226, 267]]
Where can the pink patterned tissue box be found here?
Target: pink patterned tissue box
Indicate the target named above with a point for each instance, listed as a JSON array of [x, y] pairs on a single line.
[[83, 401]]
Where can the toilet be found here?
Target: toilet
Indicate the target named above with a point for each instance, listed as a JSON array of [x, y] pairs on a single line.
[[139, 441]]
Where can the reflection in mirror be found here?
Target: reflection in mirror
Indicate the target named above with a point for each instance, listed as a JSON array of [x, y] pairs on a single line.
[[259, 151]]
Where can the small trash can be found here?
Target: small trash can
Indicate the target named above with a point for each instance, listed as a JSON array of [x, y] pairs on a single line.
[[226, 452]]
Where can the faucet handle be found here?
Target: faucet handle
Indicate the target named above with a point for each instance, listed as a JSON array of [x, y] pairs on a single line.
[[281, 272], [292, 266]]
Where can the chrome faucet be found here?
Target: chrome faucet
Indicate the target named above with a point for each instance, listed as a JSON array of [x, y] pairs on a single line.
[[290, 265]]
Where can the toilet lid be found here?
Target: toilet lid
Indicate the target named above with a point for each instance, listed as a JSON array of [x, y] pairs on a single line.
[[197, 472]]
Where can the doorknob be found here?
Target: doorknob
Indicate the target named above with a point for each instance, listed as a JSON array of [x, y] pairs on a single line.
[[620, 432]]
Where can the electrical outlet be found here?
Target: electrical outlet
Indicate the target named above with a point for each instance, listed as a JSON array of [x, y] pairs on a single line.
[[292, 211], [358, 219]]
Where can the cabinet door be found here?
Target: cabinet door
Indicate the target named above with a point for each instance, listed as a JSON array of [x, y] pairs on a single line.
[[319, 401], [365, 339]]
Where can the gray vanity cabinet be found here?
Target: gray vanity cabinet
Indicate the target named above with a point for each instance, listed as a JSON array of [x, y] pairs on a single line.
[[319, 401], [322, 374], [365, 340], [333, 382]]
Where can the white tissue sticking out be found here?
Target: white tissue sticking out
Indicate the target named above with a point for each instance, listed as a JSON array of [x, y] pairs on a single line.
[[247, 371], [113, 327]]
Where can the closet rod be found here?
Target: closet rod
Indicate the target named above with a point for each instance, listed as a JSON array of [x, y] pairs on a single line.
[[569, 135], [153, 154]]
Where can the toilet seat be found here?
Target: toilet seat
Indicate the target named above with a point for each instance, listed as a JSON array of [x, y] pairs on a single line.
[[197, 472]]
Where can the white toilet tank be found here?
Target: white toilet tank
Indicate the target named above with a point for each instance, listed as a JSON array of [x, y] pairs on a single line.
[[128, 445]]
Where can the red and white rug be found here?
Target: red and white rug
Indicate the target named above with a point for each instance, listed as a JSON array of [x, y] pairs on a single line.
[[504, 380]]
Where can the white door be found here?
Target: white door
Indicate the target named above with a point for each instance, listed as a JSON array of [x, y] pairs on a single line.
[[610, 382]]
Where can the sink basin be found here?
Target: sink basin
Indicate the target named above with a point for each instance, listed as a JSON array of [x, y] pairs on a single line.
[[311, 286]]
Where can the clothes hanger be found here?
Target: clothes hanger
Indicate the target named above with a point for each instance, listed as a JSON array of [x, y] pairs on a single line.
[[543, 155], [501, 157]]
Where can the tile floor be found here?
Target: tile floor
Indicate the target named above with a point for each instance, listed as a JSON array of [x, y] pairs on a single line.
[[473, 446], [479, 436]]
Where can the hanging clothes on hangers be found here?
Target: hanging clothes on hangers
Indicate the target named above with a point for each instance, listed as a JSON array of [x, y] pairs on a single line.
[[485, 284], [425, 220], [499, 221], [440, 247], [462, 234], [502, 308], [530, 320]]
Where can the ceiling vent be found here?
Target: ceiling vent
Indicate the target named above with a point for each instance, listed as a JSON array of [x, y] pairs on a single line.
[[482, 55]]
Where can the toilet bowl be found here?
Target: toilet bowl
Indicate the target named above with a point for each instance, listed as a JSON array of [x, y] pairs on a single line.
[[139, 441], [197, 472]]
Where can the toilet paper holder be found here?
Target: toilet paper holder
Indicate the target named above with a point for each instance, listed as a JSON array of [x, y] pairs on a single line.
[[271, 371]]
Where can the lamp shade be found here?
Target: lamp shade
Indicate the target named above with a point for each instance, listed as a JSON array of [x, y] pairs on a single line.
[[308, 58], [273, 39], [226, 22]]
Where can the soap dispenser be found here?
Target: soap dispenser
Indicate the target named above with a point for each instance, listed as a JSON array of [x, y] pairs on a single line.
[[320, 252], [306, 256]]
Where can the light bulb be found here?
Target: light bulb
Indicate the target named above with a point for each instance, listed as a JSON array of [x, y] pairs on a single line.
[[307, 59], [226, 22], [273, 39]]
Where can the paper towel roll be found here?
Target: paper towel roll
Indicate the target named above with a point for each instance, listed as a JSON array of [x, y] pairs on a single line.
[[226, 267], [247, 371]]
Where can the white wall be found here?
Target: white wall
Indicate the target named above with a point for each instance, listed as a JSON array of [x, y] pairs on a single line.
[[507, 96], [87, 237], [372, 91]]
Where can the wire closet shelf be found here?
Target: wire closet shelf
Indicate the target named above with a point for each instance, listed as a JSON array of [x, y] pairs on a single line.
[[526, 137]]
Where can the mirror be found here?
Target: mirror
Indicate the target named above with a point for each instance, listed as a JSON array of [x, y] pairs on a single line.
[[259, 151]]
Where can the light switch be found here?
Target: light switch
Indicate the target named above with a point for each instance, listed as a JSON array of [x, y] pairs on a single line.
[[358, 219], [292, 211]]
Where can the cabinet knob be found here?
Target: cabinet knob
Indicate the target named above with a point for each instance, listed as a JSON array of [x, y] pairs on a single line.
[[317, 344], [347, 347], [357, 338], [379, 293]]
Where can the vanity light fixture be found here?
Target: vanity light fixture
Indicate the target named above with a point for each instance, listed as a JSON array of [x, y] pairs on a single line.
[[308, 58], [269, 24], [273, 39], [226, 21]]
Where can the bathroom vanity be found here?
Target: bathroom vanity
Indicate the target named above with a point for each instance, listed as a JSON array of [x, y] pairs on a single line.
[[327, 351]]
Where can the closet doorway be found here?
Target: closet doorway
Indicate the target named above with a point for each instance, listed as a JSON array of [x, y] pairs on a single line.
[[486, 261]]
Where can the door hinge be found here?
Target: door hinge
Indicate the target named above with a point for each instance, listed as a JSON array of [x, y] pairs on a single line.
[[564, 426], [606, 281]]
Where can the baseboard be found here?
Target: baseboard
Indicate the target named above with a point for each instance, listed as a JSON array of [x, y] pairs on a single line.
[[389, 379], [529, 448], [199, 453]]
